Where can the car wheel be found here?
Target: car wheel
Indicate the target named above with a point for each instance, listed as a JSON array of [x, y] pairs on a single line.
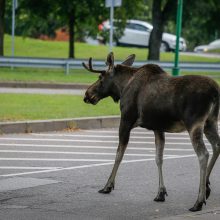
[[164, 47]]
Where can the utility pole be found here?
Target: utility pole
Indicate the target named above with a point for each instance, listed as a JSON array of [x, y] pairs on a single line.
[[176, 69], [111, 26], [111, 4], [14, 7]]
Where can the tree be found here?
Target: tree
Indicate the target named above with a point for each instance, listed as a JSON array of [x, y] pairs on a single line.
[[81, 17], [162, 10], [201, 21], [2, 16], [78, 14], [36, 17], [88, 14]]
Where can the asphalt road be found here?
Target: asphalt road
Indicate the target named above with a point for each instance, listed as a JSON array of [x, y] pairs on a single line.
[[57, 176]]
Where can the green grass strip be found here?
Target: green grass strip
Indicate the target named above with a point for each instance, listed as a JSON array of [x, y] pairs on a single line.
[[46, 75], [16, 107]]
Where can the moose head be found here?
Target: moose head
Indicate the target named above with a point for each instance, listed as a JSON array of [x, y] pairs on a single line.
[[109, 79]]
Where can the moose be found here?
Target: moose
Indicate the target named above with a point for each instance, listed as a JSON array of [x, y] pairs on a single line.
[[152, 99]]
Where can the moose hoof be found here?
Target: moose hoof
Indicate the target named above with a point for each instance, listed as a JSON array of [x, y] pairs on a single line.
[[161, 196], [107, 190], [197, 207], [208, 190]]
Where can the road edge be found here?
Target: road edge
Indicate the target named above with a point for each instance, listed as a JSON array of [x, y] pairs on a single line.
[[43, 85], [59, 124]]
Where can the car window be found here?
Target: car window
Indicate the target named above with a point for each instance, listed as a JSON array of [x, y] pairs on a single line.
[[130, 26], [136, 27], [215, 43]]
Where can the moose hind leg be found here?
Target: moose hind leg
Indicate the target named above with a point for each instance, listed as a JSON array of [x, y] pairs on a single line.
[[211, 132], [196, 135], [124, 133], [159, 142]]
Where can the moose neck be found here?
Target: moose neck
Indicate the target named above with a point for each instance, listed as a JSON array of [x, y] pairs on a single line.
[[122, 76]]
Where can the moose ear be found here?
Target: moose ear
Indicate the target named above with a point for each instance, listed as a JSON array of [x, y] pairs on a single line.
[[110, 59], [129, 60]]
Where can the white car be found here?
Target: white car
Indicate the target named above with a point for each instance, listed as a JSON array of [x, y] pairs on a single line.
[[137, 33], [206, 48]]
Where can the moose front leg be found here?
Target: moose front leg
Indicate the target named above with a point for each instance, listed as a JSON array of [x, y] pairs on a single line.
[[124, 133], [159, 142]]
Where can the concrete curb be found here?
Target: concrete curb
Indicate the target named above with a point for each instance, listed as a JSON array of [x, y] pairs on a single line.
[[43, 85], [60, 124]]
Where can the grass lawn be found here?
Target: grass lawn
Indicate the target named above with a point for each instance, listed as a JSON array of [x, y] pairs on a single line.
[[38, 48], [46, 75], [214, 51], [16, 107]]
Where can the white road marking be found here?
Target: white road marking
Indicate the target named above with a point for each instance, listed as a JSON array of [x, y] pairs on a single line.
[[27, 168], [53, 159], [89, 166], [90, 147], [105, 136], [86, 138], [90, 141], [74, 153], [135, 131]]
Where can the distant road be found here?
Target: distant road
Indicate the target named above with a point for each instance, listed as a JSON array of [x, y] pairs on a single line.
[[212, 55], [42, 91]]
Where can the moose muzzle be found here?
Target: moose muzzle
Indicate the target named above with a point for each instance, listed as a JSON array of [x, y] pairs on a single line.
[[91, 98]]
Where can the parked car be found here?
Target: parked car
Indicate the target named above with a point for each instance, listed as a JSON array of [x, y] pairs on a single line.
[[214, 45], [137, 33]]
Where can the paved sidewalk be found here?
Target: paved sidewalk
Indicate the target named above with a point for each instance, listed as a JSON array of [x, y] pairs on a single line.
[[43, 85], [42, 91]]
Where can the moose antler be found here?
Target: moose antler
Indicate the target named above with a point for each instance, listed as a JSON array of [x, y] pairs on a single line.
[[90, 68]]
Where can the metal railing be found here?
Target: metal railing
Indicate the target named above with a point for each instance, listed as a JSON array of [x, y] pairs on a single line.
[[68, 64]]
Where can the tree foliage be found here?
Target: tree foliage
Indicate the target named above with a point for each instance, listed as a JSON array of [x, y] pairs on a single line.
[[33, 18], [81, 17], [201, 21], [162, 10], [2, 16]]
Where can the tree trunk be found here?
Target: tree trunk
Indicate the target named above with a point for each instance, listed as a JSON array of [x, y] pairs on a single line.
[[2, 13], [71, 34], [157, 32]]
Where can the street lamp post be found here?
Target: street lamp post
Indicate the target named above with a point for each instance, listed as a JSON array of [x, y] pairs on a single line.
[[111, 4], [176, 69], [111, 25], [14, 6]]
